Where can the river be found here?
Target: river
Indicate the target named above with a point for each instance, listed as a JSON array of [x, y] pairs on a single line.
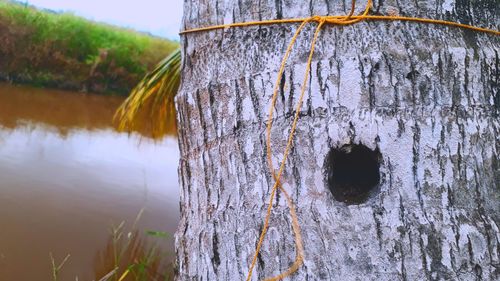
[[66, 177]]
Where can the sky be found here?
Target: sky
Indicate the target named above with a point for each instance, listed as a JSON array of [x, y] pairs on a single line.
[[159, 17]]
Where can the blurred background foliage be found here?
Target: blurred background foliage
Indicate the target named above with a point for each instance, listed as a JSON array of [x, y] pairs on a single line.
[[43, 47]]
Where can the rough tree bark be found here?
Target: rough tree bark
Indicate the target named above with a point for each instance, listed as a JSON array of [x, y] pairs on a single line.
[[426, 96]]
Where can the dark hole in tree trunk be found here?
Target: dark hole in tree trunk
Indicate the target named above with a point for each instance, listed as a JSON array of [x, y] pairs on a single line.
[[353, 173]]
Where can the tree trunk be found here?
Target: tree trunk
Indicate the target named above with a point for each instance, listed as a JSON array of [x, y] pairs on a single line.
[[416, 106]]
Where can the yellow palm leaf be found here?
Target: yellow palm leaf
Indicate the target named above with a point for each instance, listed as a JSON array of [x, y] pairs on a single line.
[[153, 96]]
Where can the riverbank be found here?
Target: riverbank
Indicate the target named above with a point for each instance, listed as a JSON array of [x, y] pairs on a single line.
[[48, 49]]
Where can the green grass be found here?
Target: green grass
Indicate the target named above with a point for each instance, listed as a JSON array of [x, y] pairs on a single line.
[[130, 255], [42, 47]]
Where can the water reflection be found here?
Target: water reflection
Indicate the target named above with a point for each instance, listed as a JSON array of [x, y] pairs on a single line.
[[63, 111], [66, 176]]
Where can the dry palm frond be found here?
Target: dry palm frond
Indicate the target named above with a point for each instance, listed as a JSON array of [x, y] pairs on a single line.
[[154, 95]]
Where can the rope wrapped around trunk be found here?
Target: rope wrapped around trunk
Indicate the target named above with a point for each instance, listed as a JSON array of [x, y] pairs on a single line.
[[321, 21]]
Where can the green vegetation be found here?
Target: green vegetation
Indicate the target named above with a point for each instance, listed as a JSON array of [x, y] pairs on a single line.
[[65, 51], [57, 268], [129, 256]]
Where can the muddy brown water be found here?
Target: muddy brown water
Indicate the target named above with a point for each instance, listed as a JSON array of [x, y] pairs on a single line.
[[66, 176]]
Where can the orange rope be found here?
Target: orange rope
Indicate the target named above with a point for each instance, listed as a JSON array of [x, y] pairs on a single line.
[[296, 227], [321, 20], [341, 20]]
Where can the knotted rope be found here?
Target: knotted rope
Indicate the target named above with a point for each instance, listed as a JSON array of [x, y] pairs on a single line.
[[321, 21]]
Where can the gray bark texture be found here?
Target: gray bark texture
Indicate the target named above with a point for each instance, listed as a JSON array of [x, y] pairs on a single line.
[[426, 96]]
